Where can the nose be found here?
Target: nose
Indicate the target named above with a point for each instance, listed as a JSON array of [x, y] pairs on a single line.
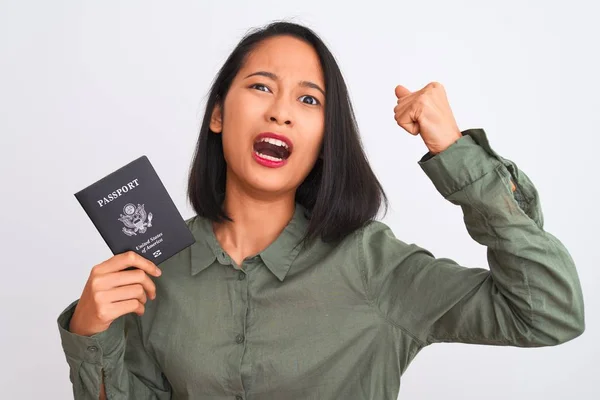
[[280, 113], [287, 121]]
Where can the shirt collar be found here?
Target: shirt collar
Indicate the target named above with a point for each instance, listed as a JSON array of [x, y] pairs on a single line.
[[278, 256]]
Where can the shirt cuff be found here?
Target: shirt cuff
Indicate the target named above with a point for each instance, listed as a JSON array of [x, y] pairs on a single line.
[[430, 154], [463, 162], [95, 348]]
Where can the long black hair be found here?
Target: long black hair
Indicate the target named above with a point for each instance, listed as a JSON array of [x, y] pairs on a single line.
[[341, 192]]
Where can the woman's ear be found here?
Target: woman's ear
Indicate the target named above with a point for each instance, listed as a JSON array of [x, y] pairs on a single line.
[[216, 119]]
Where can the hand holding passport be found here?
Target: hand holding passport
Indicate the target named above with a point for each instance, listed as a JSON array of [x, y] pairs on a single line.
[[137, 219]]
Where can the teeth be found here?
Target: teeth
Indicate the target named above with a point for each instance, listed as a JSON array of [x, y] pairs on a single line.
[[268, 157], [276, 142]]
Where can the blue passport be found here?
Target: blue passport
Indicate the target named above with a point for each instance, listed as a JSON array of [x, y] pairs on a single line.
[[132, 210]]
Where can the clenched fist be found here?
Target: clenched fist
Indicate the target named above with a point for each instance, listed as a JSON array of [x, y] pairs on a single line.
[[427, 112], [112, 291]]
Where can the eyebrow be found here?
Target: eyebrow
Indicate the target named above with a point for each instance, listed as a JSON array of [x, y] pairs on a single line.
[[273, 76]]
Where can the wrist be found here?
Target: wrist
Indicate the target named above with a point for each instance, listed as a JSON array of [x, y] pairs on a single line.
[[445, 145]]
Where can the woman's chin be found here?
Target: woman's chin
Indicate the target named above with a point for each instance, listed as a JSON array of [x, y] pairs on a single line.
[[272, 187], [275, 183]]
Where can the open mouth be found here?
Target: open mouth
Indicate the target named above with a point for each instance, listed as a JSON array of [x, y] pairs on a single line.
[[272, 149]]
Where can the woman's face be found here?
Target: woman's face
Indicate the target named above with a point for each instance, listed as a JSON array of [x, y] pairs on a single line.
[[275, 98]]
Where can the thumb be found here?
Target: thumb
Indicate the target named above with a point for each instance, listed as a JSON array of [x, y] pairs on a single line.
[[401, 91]]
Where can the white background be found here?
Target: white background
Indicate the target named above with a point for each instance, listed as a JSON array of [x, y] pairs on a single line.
[[86, 87]]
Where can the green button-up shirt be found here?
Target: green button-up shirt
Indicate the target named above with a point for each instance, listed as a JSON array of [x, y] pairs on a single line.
[[340, 321]]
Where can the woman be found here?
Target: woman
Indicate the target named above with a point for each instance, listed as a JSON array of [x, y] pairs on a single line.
[[293, 290]]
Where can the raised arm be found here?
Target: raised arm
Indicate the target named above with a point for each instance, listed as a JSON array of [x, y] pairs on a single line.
[[531, 294]]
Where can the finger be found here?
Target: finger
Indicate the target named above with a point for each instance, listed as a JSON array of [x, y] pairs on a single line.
[[405, 99], [127, 259], [124, 278], [401, 107], [401, 91], [135, 291], [406, 103], [403, 115], [125, 307], [407, 123]]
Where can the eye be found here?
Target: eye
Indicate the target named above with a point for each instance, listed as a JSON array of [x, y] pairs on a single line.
[[316, 102], [259, 85]]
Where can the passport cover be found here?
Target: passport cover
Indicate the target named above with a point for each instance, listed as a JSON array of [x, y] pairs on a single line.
[[132, 210]]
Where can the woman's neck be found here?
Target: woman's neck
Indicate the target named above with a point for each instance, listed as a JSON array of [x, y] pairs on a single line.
[[257, 223]]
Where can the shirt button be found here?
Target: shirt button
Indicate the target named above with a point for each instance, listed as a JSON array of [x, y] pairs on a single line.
[[92, 349], [241, 276], [239, 338]]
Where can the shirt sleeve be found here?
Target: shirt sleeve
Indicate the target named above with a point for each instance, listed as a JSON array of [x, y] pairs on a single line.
[[529, 297], [117, 353]]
